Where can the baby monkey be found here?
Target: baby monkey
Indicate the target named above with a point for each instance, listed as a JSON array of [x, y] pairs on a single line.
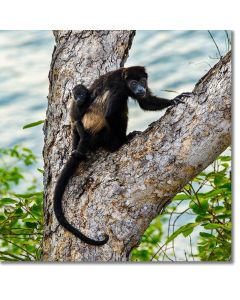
[[79, 106]]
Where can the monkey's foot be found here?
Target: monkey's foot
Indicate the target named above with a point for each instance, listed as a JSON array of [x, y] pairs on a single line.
[[178, 100], [132, 134], [78, 155]]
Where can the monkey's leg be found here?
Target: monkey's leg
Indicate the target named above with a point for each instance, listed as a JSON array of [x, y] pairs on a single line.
[[80, 129], [75, 138], [78, 146], [117, 135], [83, 143]]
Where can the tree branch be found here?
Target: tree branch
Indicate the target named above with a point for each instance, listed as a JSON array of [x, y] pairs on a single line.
[[120, 193]]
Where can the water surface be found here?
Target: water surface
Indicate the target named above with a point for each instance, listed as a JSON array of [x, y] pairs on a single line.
[[175, 60]]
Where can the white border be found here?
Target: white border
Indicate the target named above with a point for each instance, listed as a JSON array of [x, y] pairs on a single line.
[[122, 14]]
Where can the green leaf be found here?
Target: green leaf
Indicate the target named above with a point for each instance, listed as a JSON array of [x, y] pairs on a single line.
[[181, 197], [219, 178], [37, 211], [219, 209], [5, 201], [227, 186], [30, 220], [213, 193], [33, 124], [28, 195], [228, 214], [200, 209], [2, 217], [207, 235], [5, 258], [227, 226], [32, 224], [212, 226], [185, 230], [225, 158], [19, 212], [203, 217]]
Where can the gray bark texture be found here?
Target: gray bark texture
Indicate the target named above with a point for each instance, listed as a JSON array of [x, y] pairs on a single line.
[[120, 193]]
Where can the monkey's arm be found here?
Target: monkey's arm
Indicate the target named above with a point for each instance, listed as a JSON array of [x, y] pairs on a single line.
[[151, 102]]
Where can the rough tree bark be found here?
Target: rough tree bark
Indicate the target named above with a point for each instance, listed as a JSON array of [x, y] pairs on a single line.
[[121, 193]]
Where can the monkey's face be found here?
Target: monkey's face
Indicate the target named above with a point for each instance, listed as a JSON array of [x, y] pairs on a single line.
[[138, 87], [80, 94]]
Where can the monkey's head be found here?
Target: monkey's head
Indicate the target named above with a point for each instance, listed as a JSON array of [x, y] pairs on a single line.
[[80, 94], [136, 80]]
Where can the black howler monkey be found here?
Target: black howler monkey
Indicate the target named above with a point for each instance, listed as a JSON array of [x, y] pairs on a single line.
[[99, 119]]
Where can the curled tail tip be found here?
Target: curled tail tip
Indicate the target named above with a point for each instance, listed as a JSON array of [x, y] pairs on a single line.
[[104, 241]]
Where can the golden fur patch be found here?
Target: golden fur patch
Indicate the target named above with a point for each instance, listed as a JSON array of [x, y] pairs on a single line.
[[94, 119]]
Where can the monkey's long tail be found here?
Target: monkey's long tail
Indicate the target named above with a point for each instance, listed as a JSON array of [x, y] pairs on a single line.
[[61, 184]]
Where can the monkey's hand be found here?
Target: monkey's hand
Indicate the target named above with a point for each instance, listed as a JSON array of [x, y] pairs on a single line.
[[178, 99]]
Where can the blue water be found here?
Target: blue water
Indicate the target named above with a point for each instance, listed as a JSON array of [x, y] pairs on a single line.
[[175, 60]]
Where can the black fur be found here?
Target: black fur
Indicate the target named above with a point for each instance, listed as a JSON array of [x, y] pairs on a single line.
[[79, 106], [99, 118]]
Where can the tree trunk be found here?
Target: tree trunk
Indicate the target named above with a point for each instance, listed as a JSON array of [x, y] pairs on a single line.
[[120, 193]]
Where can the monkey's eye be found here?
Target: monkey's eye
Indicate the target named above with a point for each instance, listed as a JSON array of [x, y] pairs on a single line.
[[133, 83], [143, 81]]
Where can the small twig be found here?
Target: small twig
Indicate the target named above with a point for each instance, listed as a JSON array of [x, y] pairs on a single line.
[[220, 55], [228, 39], [185, 255], [190, 242]]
